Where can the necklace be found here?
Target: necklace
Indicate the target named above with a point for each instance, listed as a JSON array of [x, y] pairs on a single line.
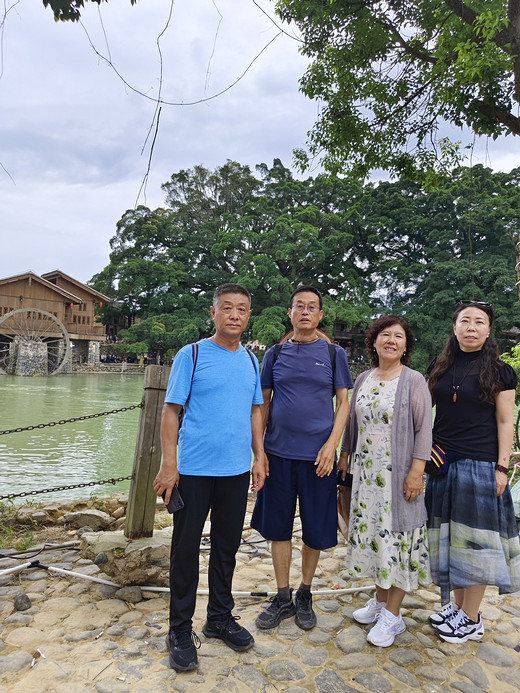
[[296, 341], [467, 370]]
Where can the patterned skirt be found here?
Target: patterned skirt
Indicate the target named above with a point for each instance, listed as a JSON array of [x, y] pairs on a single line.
[[472, 533]]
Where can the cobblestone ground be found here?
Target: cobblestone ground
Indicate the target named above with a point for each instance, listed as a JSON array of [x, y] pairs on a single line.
[[93, 639]]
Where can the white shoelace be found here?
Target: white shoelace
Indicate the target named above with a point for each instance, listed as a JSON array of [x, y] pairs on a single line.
[[386, 622]]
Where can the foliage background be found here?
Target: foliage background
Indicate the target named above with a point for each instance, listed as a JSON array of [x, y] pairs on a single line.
[[370, 249]]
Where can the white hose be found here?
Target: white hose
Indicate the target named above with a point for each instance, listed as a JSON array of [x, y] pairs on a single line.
[[153, 588], [71, 573], [16, 569]]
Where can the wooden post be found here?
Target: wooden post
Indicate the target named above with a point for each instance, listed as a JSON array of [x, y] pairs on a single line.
[[147, 460]]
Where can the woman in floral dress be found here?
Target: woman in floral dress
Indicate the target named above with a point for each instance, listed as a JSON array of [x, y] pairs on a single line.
[[388, 440]]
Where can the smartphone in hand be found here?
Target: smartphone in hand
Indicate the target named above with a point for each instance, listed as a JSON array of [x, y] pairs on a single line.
[[176, 502]]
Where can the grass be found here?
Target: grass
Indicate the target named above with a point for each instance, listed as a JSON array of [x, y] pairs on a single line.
[[13, 535]]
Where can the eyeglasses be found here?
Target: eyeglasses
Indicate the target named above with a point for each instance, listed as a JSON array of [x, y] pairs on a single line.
[[477, 304], [300, 307]]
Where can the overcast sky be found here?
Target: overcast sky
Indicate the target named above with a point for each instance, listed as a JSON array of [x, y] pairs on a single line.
[[73, 136]]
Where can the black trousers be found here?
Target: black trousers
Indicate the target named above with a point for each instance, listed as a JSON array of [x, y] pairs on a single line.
[[226, 497]]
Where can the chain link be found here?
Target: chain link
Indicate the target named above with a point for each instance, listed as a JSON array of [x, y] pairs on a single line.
[[73, 420], [66, 488]]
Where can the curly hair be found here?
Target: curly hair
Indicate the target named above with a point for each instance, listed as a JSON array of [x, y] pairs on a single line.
[[381, 324], [488, 378]]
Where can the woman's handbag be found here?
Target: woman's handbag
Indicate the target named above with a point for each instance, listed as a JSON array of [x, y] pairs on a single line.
[[438, 463], [344, 496]]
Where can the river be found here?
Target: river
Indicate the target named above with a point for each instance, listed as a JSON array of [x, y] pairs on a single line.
[[80, 452]]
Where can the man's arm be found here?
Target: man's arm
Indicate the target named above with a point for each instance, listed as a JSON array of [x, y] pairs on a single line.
[[325, 459], [168, 476], [266, 406], [260, 470]]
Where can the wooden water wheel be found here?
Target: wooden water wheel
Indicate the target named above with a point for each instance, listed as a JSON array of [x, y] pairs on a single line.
[[32, 342]]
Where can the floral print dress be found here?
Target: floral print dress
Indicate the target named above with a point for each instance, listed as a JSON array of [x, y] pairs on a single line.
[[391, 559]]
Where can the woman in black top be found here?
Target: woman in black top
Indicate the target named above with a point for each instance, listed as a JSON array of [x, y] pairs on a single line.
[[472, 531]]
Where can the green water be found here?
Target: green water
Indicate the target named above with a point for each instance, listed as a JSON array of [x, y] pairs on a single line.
[[80, 452]]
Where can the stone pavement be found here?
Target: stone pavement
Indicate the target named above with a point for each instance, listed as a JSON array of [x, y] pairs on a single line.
[[96, 638]]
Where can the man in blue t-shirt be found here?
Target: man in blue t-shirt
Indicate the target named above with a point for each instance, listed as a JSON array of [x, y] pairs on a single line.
[[302, 435], [221, 395]]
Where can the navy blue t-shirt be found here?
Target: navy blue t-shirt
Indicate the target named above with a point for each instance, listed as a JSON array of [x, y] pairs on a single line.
[[301, 415]]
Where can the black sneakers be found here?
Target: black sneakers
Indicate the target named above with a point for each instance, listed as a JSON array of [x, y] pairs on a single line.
[[275, 612], [235, 636], [183, 650], [305, 616]]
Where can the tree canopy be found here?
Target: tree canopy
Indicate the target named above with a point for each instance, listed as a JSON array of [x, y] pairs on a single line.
[[390, 247], [70, 10], [388, 73], [268, 232]]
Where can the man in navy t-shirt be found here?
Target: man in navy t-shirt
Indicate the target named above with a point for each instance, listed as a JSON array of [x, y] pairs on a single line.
[[221, 395], [302, 435]]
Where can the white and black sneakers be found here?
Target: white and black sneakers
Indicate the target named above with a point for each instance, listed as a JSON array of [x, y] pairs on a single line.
[[460, 628], [443, 615]]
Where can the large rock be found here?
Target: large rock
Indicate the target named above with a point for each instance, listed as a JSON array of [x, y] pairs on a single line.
[[96, 519], [130, 561]]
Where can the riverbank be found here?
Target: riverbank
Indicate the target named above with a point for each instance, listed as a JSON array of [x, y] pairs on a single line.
[[63, 634]]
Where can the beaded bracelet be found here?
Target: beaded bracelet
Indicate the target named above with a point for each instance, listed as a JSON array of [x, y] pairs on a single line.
[[499, 468]]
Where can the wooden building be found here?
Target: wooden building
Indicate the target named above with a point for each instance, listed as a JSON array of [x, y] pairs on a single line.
[[70, 301]]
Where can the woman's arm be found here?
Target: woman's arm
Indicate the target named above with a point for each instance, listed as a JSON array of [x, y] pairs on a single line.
[[422, 423], [422, 418], [505, 406]]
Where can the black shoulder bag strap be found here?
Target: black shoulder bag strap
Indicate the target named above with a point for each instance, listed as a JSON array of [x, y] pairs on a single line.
[[277, 350], [332, 354], [252, 357], [194, 356]]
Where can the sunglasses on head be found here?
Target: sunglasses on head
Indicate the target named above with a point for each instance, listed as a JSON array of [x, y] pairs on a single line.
[[477, 304]]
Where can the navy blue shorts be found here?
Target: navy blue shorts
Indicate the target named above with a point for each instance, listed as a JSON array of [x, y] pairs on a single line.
[[275, 507]]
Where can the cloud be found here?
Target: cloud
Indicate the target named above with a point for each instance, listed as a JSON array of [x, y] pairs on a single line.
[[76, 139]]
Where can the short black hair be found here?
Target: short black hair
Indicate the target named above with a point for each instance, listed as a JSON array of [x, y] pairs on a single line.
[[230, 288], [303, 288]]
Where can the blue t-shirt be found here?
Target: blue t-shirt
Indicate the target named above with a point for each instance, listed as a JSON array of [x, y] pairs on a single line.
[[301, 415], [215, 437]]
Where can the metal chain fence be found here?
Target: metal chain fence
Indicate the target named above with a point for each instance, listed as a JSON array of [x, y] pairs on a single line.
[[65, 488], [9, 496], [73, 420]]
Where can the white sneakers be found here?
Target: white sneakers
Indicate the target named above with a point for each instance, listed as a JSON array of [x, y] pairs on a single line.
[[370, 612], [386, 628]]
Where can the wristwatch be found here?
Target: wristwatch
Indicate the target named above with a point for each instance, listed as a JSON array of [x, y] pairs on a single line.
[[502, 469]]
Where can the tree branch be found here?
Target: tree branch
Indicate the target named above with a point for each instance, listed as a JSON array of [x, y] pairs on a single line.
[[499, 115], [411, 50]]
